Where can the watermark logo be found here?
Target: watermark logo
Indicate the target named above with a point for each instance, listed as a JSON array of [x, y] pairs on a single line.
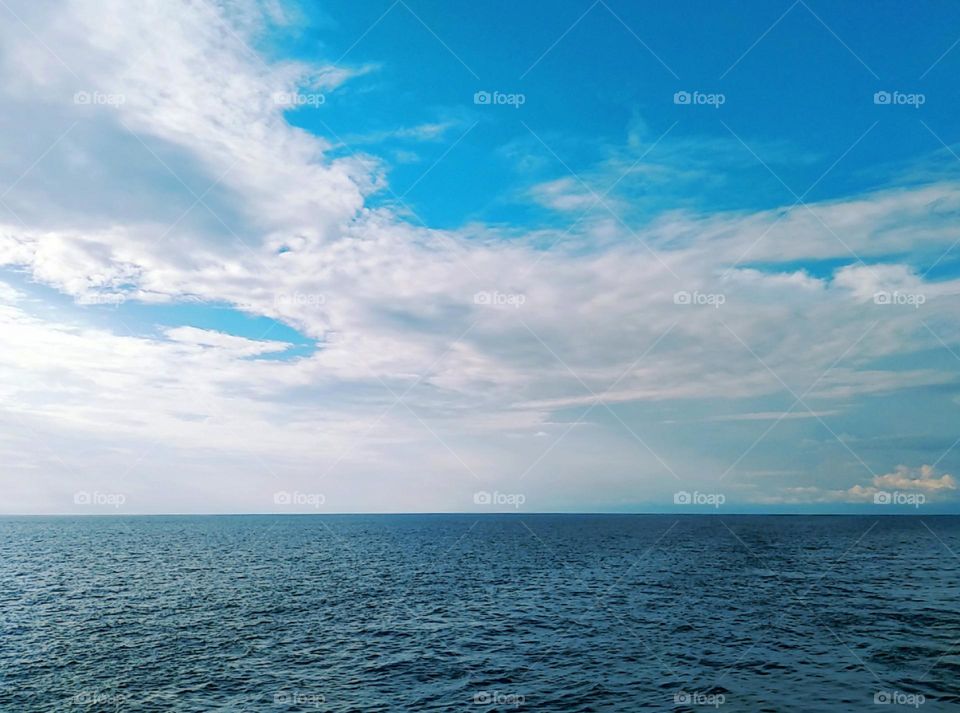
[[298, 698], [498, 698], [100, 298], [695, 98], [96, 498], [299, 299], [296, 498], [85, 98], [895, 98], [886, 497], [698, 698], [899, 698], [484, 497], [499, 299], [685, 497], [297, 99], [912, 299], [713, 299], [483, 98], [102, 700]]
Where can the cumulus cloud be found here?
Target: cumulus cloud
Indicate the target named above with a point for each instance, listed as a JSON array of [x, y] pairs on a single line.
[[922, 480]]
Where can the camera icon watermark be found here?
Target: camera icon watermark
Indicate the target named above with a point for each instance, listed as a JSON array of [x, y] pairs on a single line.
[[685, 497], [895, 98], [496, 498], [696, 98], [109, 299], [499, 299], [899, 698], [911, 299], [498, 698], [698, 698], [297, 499], [85, 98], [484, 98], [295, 100], [885, 497], [299, 299], [100, 699], [299, 699], [697, 298], [98, 499]]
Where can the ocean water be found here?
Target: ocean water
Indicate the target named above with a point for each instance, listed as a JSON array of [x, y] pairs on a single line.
[[468, 613]]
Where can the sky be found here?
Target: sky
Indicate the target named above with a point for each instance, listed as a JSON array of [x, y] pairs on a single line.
[[416, 256]]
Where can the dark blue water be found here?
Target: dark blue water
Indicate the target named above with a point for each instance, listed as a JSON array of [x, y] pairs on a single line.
[[466, 613]]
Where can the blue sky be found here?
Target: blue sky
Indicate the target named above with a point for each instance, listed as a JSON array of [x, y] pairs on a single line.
[[800, 95], [286, 260]]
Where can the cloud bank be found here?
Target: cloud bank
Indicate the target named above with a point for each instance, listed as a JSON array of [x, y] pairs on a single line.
[[586, 366]]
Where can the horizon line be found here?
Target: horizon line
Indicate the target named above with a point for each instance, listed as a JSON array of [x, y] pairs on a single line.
[[899, 513]]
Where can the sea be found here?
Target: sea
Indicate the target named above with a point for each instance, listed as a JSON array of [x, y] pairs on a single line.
[[480, 613]]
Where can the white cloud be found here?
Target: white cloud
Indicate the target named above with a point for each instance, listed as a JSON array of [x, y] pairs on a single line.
[[236, 345], [773, 415], [290, 234], [566, 194], [905, 479], [922, 478]]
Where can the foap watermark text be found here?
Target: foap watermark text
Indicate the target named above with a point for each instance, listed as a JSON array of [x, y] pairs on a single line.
[[899, 698], [695, 98], [696, 298], [911, 299], [296, 498], [499, 299], [895, 497], [895, 98], [496, 498], [96, 498], [499, 698], [485, 98], [298, 99], [698, 698], [685, 497]]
